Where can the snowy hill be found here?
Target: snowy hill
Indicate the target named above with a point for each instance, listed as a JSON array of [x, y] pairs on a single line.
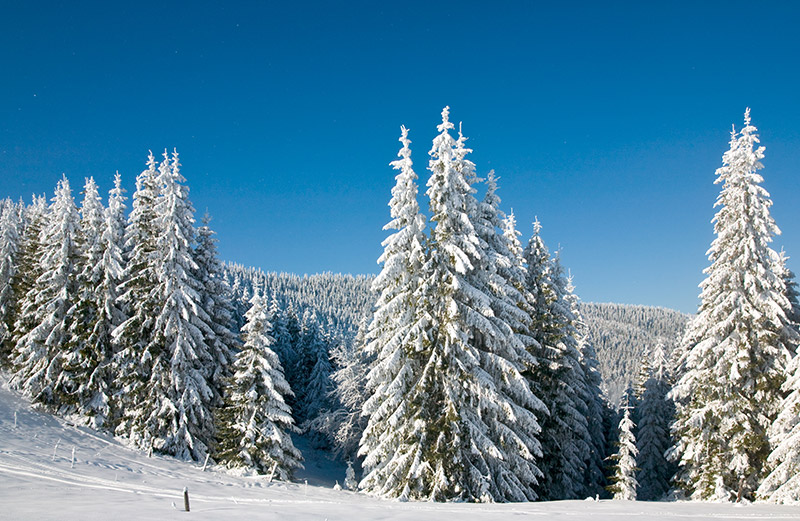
[[620, 332], [40, 480]]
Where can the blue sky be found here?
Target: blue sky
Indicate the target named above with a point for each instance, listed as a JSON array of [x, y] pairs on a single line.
[[604, 119]]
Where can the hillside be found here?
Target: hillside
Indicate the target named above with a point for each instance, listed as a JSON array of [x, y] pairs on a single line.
[[39, 480], [621, 335], [620, 332]]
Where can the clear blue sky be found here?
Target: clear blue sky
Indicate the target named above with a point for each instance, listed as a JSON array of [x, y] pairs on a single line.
[[604, 119]]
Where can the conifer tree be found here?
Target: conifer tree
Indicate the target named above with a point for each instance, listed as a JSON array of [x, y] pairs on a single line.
[[9, 245], [215, 298], [134, 351], [457, 433], [89, 356], [396, 337], [559, 377], [738, 344], [39, 354], [624, 479], [255, 423], [32, 218], [655, 413]]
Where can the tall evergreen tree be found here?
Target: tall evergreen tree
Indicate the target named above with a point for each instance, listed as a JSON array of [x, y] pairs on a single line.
[[39, 354], [559, 378], [396, 338], [255, 423], [625, 484], [215, 297], [9, 246], [135, 352], [655, 412], [32, 219], [739, 342], [88, 360], [467, 436]]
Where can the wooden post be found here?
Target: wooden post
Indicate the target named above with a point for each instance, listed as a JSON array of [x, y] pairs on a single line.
[[72, 465], [186, 499], [272, 472], [205, 463], [55, 449], [15, 419]]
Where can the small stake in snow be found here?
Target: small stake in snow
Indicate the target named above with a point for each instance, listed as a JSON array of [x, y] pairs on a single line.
[[272, 472], [15, 419], [186, 499], [306, 487], [150, 451], [205, 463], [55, 449], [72, 465]]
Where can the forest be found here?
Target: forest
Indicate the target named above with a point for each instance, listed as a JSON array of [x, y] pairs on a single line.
[[466, 370]]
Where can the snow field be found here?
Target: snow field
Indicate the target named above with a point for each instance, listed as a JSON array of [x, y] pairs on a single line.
[[112, 481]]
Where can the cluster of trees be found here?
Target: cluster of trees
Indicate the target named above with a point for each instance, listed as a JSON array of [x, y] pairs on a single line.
[[733, 402], [127, 322], [736, 393], [472, 377], [483, 385]]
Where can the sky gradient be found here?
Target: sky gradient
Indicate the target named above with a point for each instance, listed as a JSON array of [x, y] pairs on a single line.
[[605, 120]]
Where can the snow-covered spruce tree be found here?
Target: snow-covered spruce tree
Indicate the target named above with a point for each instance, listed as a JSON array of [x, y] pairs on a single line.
[[9, 245], [255, 423], [397, 339], [624, 479], [28, 269], [513, 350], [350, 481], [177, 416], [655, 412], [456, 433], [133, 338], [318, 385], [89, 356], [782, 485], [216, 300], [558, 378], [594, 403], [739, 342], [39, 355]]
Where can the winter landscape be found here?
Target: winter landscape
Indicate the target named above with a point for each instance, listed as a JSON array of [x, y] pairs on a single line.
[[531, 341]]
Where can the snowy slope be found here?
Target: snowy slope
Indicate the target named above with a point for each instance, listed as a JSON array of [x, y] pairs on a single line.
[[110, 481]]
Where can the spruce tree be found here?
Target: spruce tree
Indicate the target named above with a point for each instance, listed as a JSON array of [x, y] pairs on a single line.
[[255, 423], [39, 355], [132, 338], [396, 338], [96, 313], [559, 377], [738, 344], [32, 218], [655, 413], [458, 432], [9, 246], [624, 478], [215, 297]]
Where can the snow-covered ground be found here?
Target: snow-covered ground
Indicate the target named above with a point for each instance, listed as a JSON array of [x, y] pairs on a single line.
[[39, 481]]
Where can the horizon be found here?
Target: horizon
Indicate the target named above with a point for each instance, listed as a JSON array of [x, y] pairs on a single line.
[[605, 123]]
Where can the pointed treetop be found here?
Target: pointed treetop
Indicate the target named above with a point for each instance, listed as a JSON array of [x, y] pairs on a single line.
[[747, 117], [445, 125], [404, 152], [537, 226]]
